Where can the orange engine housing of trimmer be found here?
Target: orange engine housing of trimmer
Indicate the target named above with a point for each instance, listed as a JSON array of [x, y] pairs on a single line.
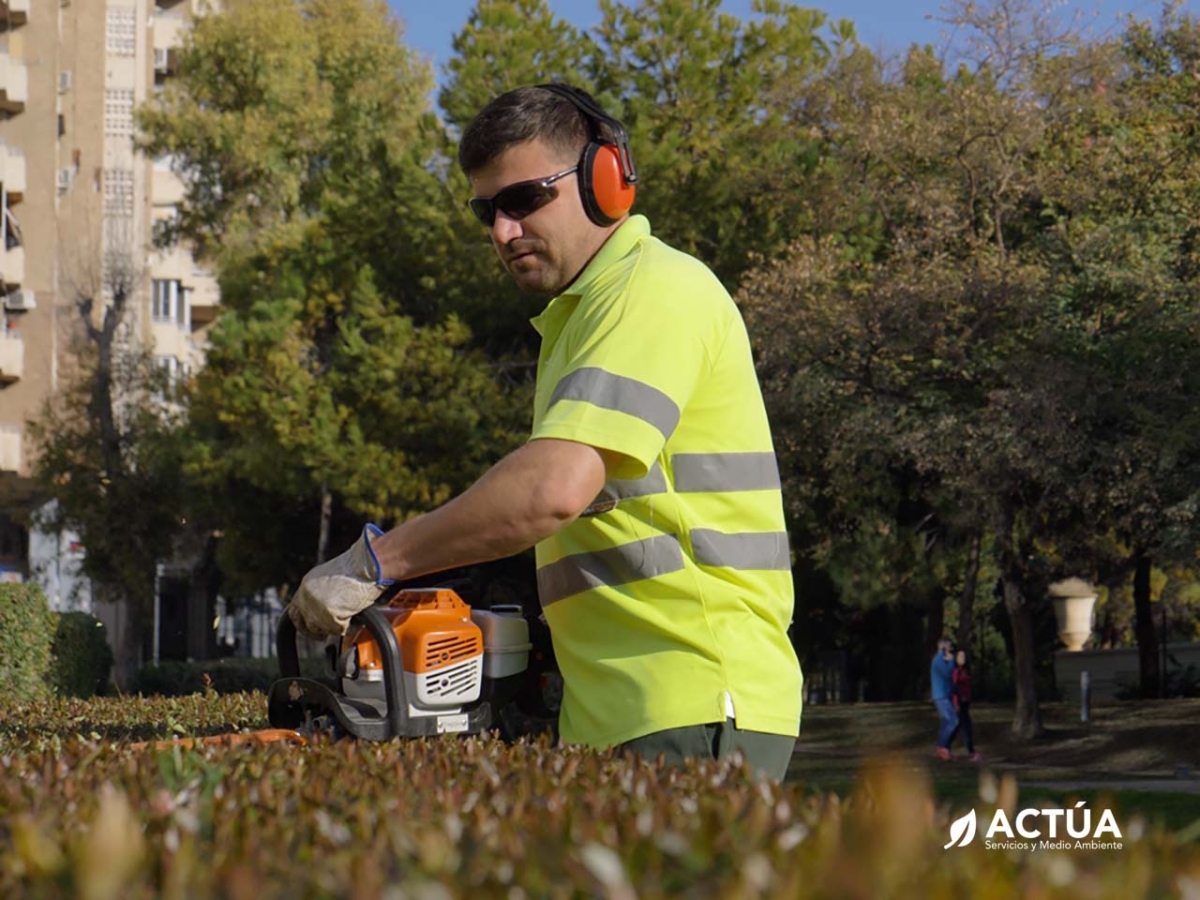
[[440, 647]]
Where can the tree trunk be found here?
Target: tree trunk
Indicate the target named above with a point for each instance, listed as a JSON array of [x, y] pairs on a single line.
[[966, 602], [935, 624], [202, 604], [1147, 637], [129, 628], [326, 515], [1027, 719], [936, 620]]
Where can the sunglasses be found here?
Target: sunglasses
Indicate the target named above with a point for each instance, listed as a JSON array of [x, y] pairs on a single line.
[[517, 200]]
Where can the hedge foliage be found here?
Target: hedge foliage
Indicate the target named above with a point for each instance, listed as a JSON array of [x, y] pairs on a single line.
[[82, 813], [26, 630], [82, 658], [228, 675]]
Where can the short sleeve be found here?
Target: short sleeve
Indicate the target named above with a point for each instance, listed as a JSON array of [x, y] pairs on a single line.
[[633, 361]]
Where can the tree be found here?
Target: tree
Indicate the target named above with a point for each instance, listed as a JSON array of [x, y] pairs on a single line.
[[505, 44], [1118, 176], [910, 437], [724, 172], [691, 85], [108, 452], [317, 390], [277, 108], [337, 383], [1019, 346]]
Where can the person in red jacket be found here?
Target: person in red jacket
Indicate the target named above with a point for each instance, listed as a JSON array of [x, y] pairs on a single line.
[[961, 697]]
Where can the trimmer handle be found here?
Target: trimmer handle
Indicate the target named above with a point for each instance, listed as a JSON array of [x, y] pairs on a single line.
[[373, 619], [285, 647]]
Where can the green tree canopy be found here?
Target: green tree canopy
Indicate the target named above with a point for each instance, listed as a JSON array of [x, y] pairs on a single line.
[[993, 361], [337, 387]]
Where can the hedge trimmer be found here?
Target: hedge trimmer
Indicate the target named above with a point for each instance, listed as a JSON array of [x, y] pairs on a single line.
[[422, 664]]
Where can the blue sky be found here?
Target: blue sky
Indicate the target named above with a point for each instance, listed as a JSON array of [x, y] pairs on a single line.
[[429, 25]]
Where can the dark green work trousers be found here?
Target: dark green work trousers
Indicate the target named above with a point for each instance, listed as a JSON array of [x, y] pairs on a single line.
[[769, 754]]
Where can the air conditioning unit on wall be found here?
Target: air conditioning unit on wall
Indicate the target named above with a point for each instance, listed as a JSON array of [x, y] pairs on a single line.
[[162, 60], [65, 177], [64, 81], [20, 301]]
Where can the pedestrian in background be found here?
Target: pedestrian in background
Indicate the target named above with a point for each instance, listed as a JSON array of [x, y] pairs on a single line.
[[961, 682], [941, 680]]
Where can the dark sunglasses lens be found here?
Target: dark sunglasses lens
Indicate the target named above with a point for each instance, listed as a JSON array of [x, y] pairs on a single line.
[[485, 210], [522, 200], [516, 201]]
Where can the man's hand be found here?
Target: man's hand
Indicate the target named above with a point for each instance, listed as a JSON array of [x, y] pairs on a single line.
[[335, 590]]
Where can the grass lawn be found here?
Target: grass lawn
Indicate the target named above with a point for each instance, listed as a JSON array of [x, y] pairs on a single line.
[[1138, 757]]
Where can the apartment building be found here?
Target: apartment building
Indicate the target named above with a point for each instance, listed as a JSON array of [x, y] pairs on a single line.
[[79, 202]]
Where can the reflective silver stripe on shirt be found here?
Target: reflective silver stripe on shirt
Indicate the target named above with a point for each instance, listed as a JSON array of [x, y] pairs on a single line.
[[609, 568], [751, 550], [654, 482], [627, 395], [703, 472]]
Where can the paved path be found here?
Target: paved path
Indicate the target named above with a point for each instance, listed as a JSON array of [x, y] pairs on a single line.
[[1183, 782]]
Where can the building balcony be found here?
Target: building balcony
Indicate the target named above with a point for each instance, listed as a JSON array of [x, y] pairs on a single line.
[[166, 188], [204, 301], [14, 84], [12, 172], [12, 357], [10, 447], [12, 267], [16, 11]]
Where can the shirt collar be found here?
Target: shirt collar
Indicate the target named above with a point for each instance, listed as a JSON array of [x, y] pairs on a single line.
[[619, 243]]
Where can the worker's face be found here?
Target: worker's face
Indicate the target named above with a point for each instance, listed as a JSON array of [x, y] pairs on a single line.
[[543, 250]]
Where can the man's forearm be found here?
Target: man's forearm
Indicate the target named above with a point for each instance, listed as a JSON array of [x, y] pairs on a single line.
[[527, 496]]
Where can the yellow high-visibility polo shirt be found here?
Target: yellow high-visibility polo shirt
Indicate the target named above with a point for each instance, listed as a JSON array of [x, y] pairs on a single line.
[[670, 608]]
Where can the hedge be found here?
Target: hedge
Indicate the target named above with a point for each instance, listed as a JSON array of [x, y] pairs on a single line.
[[26, 630], [227, 675], [82, 659], [85, 814]]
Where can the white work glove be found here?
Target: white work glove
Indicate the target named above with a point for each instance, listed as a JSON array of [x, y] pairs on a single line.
[[335, 590]]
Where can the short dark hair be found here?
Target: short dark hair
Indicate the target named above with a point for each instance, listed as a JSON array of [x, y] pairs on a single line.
[[521, 115]]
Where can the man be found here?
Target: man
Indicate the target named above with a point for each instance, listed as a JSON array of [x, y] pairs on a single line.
[[649, 485], [941, 679]]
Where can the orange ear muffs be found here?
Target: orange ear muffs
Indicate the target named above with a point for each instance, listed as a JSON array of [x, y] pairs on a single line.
[[607, 196], [607, 176]]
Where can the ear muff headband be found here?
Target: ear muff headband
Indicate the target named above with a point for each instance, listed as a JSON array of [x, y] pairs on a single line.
[[607, 178]]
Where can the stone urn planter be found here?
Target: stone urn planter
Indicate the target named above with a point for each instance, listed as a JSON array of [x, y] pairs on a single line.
[[1074, 607]]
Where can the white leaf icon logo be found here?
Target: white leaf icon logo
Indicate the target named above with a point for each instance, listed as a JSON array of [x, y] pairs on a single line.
[[962, 832]]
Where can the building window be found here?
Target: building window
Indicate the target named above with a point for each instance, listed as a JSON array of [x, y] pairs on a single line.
[[122, 32], [118, 193], [12, 231], [118, 113], [171, 371], [168, 303]]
